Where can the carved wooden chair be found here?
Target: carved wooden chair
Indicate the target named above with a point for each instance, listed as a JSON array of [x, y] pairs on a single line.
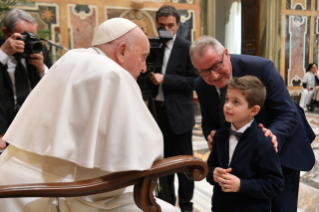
[[144, 182]]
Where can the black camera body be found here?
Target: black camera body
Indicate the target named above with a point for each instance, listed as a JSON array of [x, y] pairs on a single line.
[[154, 60], [33, 44]]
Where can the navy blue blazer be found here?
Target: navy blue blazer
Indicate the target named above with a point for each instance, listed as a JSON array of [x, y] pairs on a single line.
[[257, 165], [280, 113], [178, 87]]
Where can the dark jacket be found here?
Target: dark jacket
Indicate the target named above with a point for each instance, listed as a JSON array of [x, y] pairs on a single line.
[[257, 165], [7, 107], [178, 87], [280, 113]]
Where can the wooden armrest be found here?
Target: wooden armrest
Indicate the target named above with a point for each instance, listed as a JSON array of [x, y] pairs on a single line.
[[144, 182]]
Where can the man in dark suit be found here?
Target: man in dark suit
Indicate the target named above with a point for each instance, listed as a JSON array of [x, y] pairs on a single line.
[[174, 85], [282, 119], [15, 84]]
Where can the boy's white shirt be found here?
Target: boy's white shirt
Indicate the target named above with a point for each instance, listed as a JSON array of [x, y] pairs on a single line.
[[233, 140]]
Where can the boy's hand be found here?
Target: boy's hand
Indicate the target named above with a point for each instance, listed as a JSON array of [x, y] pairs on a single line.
[[219, 172], [230, 183], [268, 133]]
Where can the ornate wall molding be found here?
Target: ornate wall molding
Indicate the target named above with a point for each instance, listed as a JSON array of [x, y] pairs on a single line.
[[145, 18], [298, 4], [72, 23], [183, 1], [82, 21], [297, 48]]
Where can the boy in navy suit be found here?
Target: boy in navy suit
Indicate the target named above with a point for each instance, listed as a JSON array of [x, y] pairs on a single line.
[[243, 165]]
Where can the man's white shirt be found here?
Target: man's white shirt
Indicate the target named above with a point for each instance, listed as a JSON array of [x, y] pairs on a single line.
[[167, 54]]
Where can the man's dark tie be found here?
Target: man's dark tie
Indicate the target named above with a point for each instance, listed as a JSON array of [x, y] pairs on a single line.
[[222, 95], [236, 134], [163, 47], [21, 82]]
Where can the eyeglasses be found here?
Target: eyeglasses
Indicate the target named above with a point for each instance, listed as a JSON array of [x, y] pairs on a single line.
[[216, 67]]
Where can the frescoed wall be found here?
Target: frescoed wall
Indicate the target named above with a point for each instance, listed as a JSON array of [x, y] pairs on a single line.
[[299, 39], [72, 22], [47, 16], [297, 48]]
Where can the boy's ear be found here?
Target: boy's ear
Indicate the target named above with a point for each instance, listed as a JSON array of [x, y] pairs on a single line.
[[255, 110]]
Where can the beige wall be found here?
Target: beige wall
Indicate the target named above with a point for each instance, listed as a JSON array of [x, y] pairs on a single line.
[[299, 39], [72, 22]]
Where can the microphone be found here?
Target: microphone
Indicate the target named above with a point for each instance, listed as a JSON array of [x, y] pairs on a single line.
[[56, 45]]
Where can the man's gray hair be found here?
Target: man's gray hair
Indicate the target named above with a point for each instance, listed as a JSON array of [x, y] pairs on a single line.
[[13, 16], [197, 48]]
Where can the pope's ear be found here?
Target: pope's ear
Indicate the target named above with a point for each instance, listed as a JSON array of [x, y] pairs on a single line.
[[120, 52]]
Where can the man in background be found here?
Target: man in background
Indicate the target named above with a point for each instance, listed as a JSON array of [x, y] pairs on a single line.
[[173, 91], [18, 75]]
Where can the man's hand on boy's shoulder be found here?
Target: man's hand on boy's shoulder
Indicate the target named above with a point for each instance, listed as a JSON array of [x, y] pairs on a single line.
[[268, 133], [210, 139]]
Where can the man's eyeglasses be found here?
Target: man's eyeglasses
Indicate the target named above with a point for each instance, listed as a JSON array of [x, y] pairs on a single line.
[[216, 67]]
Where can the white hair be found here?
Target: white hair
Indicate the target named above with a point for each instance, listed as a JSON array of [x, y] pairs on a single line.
[[197, 48]]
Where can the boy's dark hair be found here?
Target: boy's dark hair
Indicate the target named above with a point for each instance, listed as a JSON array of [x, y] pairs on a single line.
[[166, 11], [252, 89]]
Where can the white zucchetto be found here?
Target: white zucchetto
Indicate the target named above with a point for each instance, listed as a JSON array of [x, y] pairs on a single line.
[[112, 29]]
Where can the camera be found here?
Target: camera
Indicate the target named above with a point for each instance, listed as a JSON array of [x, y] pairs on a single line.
[[154, 60], [33, 44]]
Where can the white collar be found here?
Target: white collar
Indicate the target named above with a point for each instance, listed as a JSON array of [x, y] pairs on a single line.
[[242, 129], [98, 50], [170, 43]]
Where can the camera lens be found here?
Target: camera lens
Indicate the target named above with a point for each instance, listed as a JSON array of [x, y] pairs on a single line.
[[154, 57], [36, 47]]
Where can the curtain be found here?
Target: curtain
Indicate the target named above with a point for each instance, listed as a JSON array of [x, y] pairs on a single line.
[[233, 27], [270, 23]]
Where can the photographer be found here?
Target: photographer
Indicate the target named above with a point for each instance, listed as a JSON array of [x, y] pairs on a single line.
[[174, 104], [19, 73]]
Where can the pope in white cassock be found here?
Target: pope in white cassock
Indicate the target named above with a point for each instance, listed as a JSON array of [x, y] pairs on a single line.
[[86, 118]]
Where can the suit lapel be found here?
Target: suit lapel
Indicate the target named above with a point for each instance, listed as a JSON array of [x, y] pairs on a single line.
[[6, 75], [212, 97], [248, 134], [4, 68], [174, 52], [226, 158]]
